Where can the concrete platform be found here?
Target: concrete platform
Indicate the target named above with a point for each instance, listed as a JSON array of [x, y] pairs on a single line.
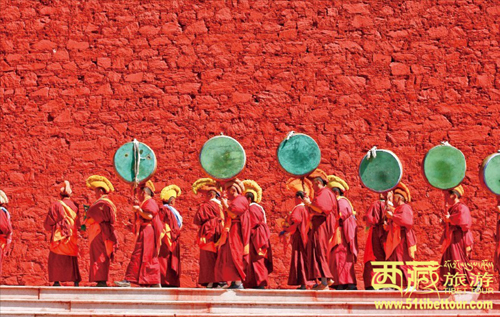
[[91, 301]]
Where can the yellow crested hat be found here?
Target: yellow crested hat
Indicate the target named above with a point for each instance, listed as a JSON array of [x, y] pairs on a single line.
[[3, 198], [337, 182], [149, 184], [302, 185], [404, 191], [169, 192], [96, 181], [459, 189], [204, 184], [251, 186], [318, 173]]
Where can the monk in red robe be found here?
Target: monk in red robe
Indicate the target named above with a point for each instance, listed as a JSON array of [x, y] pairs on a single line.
[[374, 250], [5, 229], [401, 242], [101, 217], [170, 250], [497, 239], [344, 252], [63, 223], [297, 225], [234, 244], [261, 256], [144, 266], [324, 212], [210, 219], [457, 239]]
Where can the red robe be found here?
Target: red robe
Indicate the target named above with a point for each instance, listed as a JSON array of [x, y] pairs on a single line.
[[457, 242], [343, 256], [401, 240], [374, 250], [63, 256], [210, 218], [170, 250], [299, 228], [101, 218], [323, 226], [5, 233], [261, 257], [144, 266], [232, 258]]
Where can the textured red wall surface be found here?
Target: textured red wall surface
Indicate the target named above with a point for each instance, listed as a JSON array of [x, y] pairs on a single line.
[[78, 79]]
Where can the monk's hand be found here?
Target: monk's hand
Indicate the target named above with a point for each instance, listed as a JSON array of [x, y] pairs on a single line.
[[137, 208], [389, 214], [447, 218]]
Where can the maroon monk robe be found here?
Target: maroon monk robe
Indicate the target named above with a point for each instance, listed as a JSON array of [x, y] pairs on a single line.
[[144, 267], [232, 258], [170, 250], [401, 240], [343, 256], [63, 259], [299, 228], [457, 244], [210, 218], [261, 257], [496, 258], [5, 234], [374, 250], [101, 218], [323, 227]]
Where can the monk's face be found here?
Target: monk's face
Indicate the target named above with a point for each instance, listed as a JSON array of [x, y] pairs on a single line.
[[450, 197], [98, 192], [399, 200], [172, 201], [232, 192]]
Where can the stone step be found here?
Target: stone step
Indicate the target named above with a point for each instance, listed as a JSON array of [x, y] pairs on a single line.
[[55, 314], [210, 295], [141, 307]]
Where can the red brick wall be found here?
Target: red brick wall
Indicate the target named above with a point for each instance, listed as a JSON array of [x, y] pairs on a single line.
[[78, 79]]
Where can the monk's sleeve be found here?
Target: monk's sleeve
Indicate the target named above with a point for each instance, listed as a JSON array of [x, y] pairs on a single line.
[[404, 217], [200, 216], [462, 217], [53, 216], [323, 202], [372, 216], [150, 207], [239, 205]]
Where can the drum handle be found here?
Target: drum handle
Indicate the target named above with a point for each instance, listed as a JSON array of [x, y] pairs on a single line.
[[137, 163], [446, 143], [371, 153]]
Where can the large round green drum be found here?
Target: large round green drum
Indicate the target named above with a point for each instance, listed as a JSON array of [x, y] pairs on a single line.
[[298, 154], [490, 173], [444, 166], [380, 170], [135, 162], [222, 157]]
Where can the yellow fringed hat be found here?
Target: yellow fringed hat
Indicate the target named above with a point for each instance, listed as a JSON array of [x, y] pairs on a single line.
[[459, 189], [169, 192], [96, 181], [337, 182], [404, 191], [204, 184], [149, 184], [318, 173], [3, 198], [251, 186], [302, 185]]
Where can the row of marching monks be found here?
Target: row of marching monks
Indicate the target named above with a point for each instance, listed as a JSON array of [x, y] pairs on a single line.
[[234, 236]]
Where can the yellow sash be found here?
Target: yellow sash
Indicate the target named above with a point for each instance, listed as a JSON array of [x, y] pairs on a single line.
[[62, 244]]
